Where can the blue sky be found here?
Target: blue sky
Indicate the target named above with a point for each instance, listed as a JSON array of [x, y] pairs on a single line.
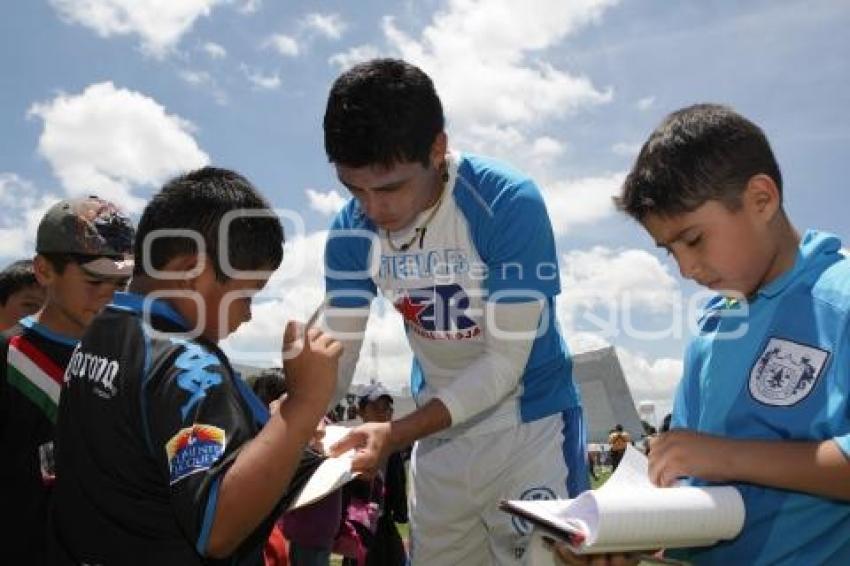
[[115, 96]]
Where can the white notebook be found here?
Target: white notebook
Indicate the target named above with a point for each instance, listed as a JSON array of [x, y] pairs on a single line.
[[331, 474], [628, 513]]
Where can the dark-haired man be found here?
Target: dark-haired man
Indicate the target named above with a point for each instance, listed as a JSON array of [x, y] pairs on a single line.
[[463, 247]]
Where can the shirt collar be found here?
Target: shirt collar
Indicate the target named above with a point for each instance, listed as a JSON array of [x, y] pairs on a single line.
[[140, 304], [815, 247]]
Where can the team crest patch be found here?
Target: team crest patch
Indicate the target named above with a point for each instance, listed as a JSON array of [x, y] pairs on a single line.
[[786, 372], [542, 493], [194, 449]]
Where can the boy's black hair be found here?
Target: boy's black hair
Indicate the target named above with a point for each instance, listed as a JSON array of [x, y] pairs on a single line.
[[14, 277], [699, 153], [382, 112], [197, 201]]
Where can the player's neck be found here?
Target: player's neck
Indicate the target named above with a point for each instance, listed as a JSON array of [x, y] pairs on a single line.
[[788, 244]]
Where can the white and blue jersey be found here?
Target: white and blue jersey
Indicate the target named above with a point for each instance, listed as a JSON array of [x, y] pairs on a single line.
[[490, 242], [778, 369]]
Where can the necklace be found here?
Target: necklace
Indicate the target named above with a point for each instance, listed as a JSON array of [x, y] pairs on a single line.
[[419, 232]]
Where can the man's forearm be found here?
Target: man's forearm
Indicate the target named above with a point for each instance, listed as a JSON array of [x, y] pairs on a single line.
[[433, 417]]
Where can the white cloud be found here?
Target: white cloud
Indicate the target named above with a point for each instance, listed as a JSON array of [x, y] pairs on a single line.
[[482, 57], [607, 290], [204, 80], [626, 149], [286, 45], [329, 25], [214, 50], [110, 140], [196, 77], [354, 56], [292, 293], [581, 201], [645, 103], [159, 23], [651, 380], [327, 203], [260, 80], [21, 207], [249, 6]]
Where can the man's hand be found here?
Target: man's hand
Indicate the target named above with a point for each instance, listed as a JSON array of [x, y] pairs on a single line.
[[310, 365], [680, 453], [563, 555], [372, 444]]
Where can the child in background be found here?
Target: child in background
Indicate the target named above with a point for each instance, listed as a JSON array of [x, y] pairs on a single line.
[[83, 249], [20, 293]]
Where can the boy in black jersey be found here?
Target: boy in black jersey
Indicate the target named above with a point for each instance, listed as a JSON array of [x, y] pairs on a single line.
[[82, 248], [165, 456]]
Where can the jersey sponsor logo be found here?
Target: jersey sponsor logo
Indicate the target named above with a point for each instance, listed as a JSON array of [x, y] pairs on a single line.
[[786, 372], [194, 449], [195, 377], [438, 312], [541, 493], [448, 264], [98, 370]]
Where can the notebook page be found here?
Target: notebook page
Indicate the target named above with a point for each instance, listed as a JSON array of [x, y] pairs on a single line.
[[666, 517]]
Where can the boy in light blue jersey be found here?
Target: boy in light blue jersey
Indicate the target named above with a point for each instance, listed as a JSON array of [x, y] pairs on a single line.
[[763, 403]]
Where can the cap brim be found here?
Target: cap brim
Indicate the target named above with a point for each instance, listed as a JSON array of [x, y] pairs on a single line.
[[108, 267]]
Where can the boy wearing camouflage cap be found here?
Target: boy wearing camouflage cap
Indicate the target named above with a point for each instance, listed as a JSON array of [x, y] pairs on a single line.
[[83, 255]]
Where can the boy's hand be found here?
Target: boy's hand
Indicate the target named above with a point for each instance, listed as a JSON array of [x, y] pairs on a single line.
[[310, 364], [680, 453], [372, 445]]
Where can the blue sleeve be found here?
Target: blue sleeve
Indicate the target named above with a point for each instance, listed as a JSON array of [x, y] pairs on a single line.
[[348, 252], [842, 372], [518, 246]]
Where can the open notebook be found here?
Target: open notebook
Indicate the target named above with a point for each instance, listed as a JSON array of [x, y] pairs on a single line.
[[331, 474], [628, 513]]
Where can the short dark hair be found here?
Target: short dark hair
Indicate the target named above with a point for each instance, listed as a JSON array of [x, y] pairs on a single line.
[[382, 112], [198, 201], [14, 277], [699, 153]]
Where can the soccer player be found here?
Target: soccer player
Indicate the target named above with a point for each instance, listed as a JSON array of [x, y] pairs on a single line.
[[462, 246]]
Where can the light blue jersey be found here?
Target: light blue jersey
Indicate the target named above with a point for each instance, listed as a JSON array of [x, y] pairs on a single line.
[[489, 241], [778, 368]]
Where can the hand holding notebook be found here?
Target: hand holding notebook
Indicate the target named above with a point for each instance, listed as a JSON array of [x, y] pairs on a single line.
[[630, 514]]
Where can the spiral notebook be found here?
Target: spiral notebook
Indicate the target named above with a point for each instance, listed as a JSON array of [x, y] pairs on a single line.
[[630, 514]]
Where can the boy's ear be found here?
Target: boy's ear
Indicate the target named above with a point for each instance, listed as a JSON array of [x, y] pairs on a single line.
[[762, 197], [43, 270]]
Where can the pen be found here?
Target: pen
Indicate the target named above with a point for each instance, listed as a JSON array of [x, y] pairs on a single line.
[[315, 316]]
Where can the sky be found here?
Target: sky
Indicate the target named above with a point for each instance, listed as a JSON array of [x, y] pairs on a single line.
[[114, 97]]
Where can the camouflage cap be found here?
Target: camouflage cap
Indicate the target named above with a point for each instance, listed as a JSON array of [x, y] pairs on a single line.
[[89, 226]]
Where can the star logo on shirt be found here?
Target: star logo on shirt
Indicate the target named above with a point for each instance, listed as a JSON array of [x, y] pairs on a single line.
[[409, 310]]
